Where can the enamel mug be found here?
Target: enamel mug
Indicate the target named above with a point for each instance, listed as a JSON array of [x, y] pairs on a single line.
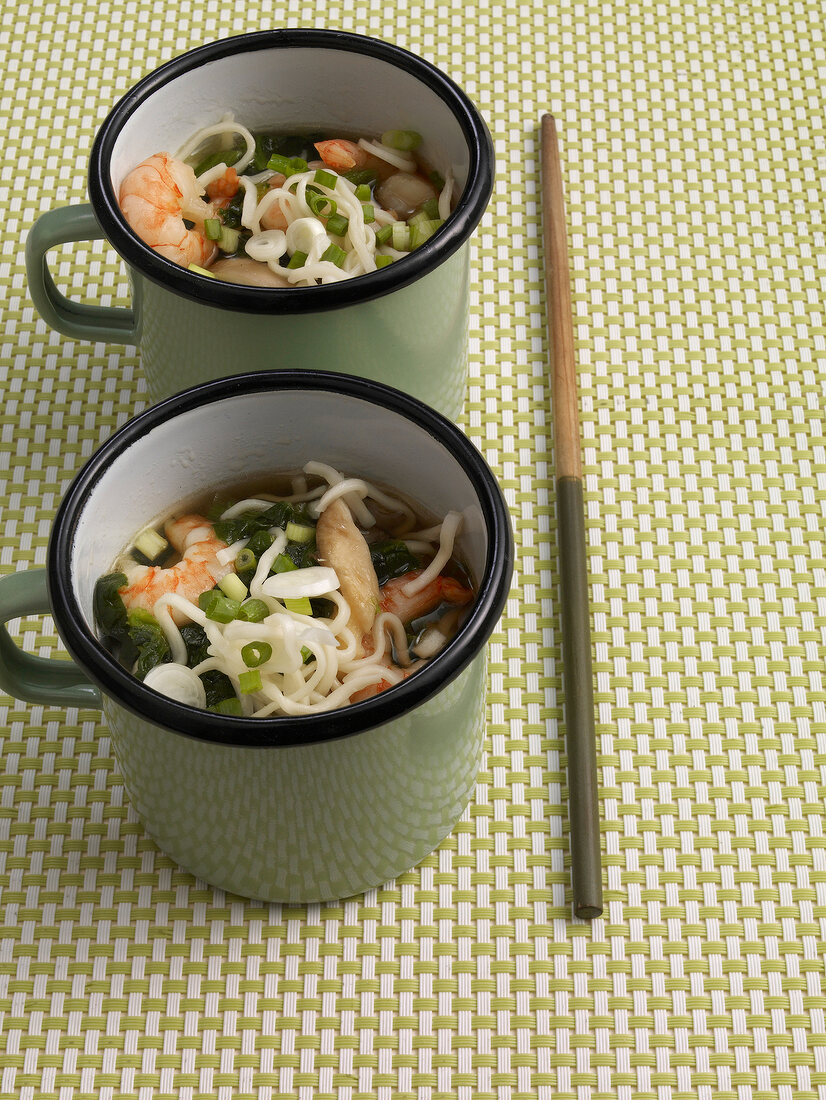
[[287, 809], [404, 325]]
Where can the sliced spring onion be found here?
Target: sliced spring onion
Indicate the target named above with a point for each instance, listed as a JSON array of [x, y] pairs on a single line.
[[200, 270], [321, 205], [404, 140], [368, 212], [299, 606], [298, 259], [228, 241], [422, 231], [256, 653], [326, 179], [334, 255], [253, 611], [250, 682], [430, 208], [417, 237], [400, 237], [384, 234], [283, 564], [228, 706], [338, 225], [217, 607], [361, 175], [383, 261], [363, 192], [245, 559], [232, 585], [287, 166], [212, 229], [306, 654], [300, 532], [151, 544]]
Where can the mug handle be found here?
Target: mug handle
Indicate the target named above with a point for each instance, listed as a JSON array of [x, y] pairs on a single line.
[[25, 676], [76, 319]]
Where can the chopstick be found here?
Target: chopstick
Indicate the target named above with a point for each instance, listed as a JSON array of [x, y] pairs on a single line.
[[586, 866]]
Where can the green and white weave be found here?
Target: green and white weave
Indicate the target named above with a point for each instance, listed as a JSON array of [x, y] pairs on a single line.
[[693, 139]]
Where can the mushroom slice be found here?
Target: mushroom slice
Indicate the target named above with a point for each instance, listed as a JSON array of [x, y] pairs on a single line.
[[247, 272], [344, 548]]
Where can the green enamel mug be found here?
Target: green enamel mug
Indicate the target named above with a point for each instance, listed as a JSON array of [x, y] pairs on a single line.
[[292, 809], [405, 324]]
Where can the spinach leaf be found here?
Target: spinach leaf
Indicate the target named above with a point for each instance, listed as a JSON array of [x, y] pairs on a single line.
[[391, 558], [231, 213], [149, 640], [296, 145], [260, 541], [301, 554], [196, 643], [248, 524], [109, 609], [217, 685], [323, 609], [111, 620], [223, 156]]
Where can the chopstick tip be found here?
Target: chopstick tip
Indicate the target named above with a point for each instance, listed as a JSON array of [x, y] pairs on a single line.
[[548, 124], [588, 912]]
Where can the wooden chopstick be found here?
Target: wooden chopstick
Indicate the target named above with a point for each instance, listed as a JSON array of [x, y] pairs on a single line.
[[586, 866]]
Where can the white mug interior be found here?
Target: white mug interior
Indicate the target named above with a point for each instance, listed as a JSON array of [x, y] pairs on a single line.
[[202, 449], [292, 89]]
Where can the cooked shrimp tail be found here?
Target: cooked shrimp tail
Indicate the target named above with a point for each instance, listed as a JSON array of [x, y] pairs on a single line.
[[156, 197], [374, 689], [197, 571], [342, 155], [409, 607], [345, 156]]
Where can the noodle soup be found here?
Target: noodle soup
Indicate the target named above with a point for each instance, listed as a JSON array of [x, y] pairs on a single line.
[[286, 210], [404, 324], [306, 806], [300, 596]]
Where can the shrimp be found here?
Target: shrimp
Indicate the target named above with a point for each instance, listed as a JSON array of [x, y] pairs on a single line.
[[440, 590], [198, 570], [156, 197], [407, 608], [374, 689], [274, 217], [343, 156], [345, 549], [225, 187]]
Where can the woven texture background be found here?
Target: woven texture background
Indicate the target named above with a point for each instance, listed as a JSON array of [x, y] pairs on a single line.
[[693, 160]]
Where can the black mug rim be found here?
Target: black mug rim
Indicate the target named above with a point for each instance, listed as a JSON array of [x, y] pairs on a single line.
[[102, 668], [294, 300]]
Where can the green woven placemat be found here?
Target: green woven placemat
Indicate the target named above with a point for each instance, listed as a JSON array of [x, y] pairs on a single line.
[[692, 147]]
